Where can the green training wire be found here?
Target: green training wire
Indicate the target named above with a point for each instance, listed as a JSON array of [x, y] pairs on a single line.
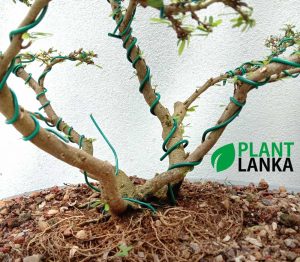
[[116, 169], [57, 134], [289, 40], [69, 134], [108, 143], [81, 141], [35, 131], [28, 78], [23, 29], [141, 203], [127, 33], [42, 76], [44, 119], [89, 184], [290, 75], [16, 109], [225, 123], [14, 68], [273, 60], [242, 70]]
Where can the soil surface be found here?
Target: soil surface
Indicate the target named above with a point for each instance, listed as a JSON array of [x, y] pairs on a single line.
[[211, 222]]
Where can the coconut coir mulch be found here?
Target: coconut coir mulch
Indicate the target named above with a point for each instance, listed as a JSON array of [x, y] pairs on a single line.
[[211, 222]]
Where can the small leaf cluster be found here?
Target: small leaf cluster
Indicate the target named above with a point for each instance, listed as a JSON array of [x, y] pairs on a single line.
[[124, 250], [243, 22], [279, 44], [205, 28], [159, 3], [208, 24], [26, 2], [32, 36], [48, 57], [84, 57], [187, 23], [186, 31], [187, 1]]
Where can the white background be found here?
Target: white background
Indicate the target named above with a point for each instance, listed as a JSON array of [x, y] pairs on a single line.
[[112, 95]]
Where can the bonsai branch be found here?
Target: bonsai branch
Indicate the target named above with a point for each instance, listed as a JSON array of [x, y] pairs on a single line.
[[100, 170], [72, 134], [16, 43], [182, 107], [240, 94], [148, 92]]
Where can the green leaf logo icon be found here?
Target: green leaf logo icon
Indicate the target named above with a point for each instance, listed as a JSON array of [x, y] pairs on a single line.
[[223, 157]]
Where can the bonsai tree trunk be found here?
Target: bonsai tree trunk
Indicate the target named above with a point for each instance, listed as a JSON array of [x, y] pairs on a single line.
[[117, 189]]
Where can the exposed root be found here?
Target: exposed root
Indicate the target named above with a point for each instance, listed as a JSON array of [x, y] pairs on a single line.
[[182, 233], [211, 222]]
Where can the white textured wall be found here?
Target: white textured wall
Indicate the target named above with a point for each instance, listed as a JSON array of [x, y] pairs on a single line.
[[111, 94]]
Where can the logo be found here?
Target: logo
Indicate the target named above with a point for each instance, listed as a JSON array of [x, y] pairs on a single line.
[[264, 157]]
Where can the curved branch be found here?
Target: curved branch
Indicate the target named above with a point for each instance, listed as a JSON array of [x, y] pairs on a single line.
[[272, 70], [101, 170], [160, 111], [141, 68], [181, 108], [63, 126], [185, 7], [16, 43]]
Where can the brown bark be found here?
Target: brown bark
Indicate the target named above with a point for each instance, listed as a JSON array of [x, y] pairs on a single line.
[[50, 112], [272, 70], [114, 187], [101, 170], [98, 169], [160, 111], [15, 45]]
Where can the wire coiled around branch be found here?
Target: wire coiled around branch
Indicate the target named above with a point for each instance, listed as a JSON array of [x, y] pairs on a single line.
[[14, 68]]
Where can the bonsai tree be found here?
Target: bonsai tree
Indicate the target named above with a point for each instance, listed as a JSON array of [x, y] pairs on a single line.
[[118, 191]]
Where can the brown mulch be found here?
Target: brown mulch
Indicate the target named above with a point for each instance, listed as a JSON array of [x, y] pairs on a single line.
[[211, 222]]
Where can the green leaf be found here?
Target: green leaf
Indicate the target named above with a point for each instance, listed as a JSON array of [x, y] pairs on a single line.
[[95, 203], [124, 250], [223, 157], [91, 140], [216, 23], [79, 63], [106, 207], [25, 36], [155, 3], [114, 12], [192, 109], [181, 47], [189, 40], [98, 66], [26, 2], [41, 34], [160, 20], [202, 28]]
